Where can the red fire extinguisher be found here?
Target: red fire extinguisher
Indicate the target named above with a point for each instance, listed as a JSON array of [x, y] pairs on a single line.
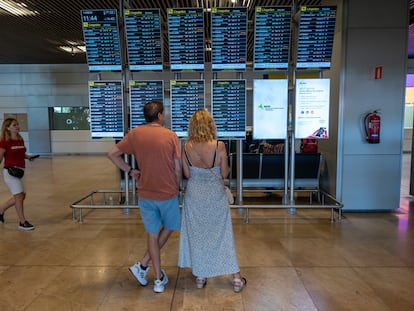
[[372, 123]]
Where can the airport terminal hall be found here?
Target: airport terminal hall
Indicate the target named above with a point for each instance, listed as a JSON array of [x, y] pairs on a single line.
[[206, 155]]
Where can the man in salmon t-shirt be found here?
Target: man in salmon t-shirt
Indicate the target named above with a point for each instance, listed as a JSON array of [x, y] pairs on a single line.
[[157, 152]]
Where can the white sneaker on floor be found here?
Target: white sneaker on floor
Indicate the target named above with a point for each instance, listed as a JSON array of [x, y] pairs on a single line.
[[159, 285], [139, 273]]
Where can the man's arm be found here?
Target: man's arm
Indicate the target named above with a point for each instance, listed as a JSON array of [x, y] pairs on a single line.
[[115, 155]]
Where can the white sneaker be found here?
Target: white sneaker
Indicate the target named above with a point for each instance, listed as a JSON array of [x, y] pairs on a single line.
[[139, 273], [159, 285]]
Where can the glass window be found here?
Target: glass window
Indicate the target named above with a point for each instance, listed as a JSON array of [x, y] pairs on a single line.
[[69, 118], [409, 102]]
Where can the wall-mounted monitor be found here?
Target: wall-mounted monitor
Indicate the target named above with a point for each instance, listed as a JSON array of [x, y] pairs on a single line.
[[101, 36], [316, 37], [186, 39], [272, 29], [141, 92], [143, 38], [270, 108], [312, 108], [229, 38], [186, 97], [229, 108], [107, 109]]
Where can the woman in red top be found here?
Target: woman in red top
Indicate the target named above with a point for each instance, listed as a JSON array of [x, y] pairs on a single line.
[[13, 151]]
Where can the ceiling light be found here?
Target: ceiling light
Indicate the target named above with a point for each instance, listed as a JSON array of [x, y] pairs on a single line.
[[73, 49], [68, 49], [15, 8]]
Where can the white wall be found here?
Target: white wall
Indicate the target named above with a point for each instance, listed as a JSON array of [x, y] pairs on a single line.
[[375, 34], [32, 89]]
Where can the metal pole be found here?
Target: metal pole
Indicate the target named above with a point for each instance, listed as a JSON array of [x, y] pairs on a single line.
[[239, 180], [126, 211], [292, 210]]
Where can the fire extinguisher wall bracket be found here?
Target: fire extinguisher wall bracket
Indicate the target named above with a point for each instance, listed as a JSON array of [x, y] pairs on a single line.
[[372, 124]]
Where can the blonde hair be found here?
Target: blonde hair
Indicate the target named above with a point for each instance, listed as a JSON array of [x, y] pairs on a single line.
[[5, 133], [201, 127]]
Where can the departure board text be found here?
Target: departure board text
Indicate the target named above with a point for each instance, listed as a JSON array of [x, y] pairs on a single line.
[[316, 36], [143, 37], [186, 98], [229, 108], [228, 39], [101, 35], [141, 92], [272, 38], [106, 109], [186, 39]]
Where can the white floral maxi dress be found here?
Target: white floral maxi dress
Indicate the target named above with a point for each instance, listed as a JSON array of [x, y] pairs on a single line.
[[206, 239]]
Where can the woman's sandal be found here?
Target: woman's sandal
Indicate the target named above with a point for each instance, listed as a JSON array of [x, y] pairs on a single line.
[[201, 282], [239, 284]]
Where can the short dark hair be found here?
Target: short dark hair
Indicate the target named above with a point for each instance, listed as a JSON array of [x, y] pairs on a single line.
[[152, 109]]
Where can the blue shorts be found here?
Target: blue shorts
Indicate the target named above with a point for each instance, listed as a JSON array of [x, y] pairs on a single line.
[[155, 213]]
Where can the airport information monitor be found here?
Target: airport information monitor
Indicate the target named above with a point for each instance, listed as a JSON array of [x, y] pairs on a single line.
[[186, 39], [228, 38], [316, 36], [101, 35], [272, 29], [141, 92], [229, 108], [106, 109], [186, 97], [143, 38]]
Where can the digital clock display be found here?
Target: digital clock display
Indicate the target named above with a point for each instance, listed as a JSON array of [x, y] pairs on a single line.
[[101, 36]]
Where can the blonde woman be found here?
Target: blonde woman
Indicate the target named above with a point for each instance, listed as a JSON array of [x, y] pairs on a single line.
[[206, 239], [13, 151]]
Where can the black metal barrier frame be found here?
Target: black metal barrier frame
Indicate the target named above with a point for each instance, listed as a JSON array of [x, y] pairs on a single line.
[[327, 201]]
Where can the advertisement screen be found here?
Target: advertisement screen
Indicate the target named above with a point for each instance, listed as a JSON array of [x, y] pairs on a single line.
[[270, 108], [312, 108]]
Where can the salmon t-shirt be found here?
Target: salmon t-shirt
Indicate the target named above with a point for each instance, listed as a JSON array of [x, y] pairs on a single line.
[[155, 149]]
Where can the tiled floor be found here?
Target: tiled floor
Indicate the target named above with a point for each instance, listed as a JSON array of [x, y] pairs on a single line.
[[292, 262]]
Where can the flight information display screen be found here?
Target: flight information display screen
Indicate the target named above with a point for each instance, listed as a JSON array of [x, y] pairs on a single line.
[[228, 38], [141, 92], [272, 29], [229, 108], [143, 37], [316, 36], [106, 109], [186, 98], [186, 39], [101, 35]]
